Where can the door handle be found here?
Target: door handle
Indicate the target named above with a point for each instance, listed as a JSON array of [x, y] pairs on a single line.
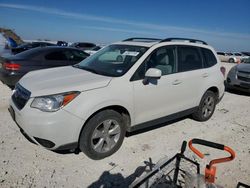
[[205, 75], [176, 82]]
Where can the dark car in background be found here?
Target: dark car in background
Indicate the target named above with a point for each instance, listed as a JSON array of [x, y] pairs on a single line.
[[83, 45], [61, 43], [27, 46], [238, 77], [14, 67]]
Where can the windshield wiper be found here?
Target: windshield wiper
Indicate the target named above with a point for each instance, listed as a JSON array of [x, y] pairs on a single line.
[[85, 68], [93, 70]]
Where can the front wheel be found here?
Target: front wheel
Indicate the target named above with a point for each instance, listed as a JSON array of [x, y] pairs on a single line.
[[102, 135], [206, 107]]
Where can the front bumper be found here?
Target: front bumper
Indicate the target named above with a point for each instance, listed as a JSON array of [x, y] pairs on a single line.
[[233, 83], [52, 130]]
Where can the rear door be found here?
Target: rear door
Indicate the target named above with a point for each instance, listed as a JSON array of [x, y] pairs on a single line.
[[63, 57], [190, 70]]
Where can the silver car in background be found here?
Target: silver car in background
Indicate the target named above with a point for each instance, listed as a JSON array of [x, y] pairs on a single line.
[[239, 77]]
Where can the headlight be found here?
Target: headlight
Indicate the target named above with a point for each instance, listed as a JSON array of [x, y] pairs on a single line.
[[52, 103]]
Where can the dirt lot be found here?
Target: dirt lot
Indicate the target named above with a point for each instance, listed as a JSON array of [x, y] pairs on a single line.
[[23, 164]]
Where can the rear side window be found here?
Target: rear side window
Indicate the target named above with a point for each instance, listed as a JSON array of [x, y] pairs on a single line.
[[86, 45], [35, 45], [56, 56], [209, 58], [189, 58]]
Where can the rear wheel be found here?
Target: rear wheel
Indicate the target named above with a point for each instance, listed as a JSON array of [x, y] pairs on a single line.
[[103, 134], [206, 107], [231, 60]]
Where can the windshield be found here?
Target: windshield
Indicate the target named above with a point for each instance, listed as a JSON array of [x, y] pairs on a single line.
[[113, 60]]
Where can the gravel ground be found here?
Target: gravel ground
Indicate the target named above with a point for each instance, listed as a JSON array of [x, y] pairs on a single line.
[[23, 164]]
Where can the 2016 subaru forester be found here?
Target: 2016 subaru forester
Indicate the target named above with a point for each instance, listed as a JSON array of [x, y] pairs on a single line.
[[128, 85]]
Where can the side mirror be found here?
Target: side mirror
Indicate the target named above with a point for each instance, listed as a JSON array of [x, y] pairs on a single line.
[[152, 73]]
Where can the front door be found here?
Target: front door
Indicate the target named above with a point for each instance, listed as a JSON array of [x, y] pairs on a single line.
[[158, 97]]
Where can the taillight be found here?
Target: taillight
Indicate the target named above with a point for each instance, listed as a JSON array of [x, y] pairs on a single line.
[[11, 66], [223, 71]]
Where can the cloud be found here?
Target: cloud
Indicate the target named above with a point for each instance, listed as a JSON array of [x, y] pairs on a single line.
[[118, 30], [142, 25]]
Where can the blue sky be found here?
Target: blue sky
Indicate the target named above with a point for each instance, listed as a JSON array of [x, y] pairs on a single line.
[[224, 24]]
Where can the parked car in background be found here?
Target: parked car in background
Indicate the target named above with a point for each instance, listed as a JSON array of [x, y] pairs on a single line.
[[61, 43], [241, 57], [27, 46], [247, 60], [83, 45], [126, 86], [223, 56], [94, 50], [246, 53], [239, 77], [14, 67], [228, 57], [229, 54]]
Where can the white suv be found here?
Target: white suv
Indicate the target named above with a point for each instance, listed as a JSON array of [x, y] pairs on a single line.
[[126, 86]]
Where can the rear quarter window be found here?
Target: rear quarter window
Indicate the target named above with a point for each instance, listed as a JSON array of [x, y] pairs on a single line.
[[74, 55], [209, 58]]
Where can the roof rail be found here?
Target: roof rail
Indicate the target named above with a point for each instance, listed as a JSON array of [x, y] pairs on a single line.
[[142, 39], [183, 39]]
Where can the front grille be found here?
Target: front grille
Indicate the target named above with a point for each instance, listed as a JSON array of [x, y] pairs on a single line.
[[20, 96], [244, 76]]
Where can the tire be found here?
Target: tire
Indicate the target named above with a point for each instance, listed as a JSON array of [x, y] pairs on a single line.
[[231, 60], [11, 87], [206, 107], [102, 135]]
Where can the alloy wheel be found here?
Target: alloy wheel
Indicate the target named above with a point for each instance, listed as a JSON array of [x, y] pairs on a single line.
[[208, 106], [105, 136]]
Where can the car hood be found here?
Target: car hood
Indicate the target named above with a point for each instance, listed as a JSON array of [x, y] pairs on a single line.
[[63, 79], [243, 67]]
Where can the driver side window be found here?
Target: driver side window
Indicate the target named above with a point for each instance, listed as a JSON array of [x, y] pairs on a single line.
[[162, 58]]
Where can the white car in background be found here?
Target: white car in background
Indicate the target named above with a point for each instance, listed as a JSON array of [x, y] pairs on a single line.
[[228, 57], [240, 56], [94, 50], [223, 56], [128, 85]]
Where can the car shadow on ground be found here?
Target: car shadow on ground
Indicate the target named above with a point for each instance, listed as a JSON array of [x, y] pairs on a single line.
[[237, 92]]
